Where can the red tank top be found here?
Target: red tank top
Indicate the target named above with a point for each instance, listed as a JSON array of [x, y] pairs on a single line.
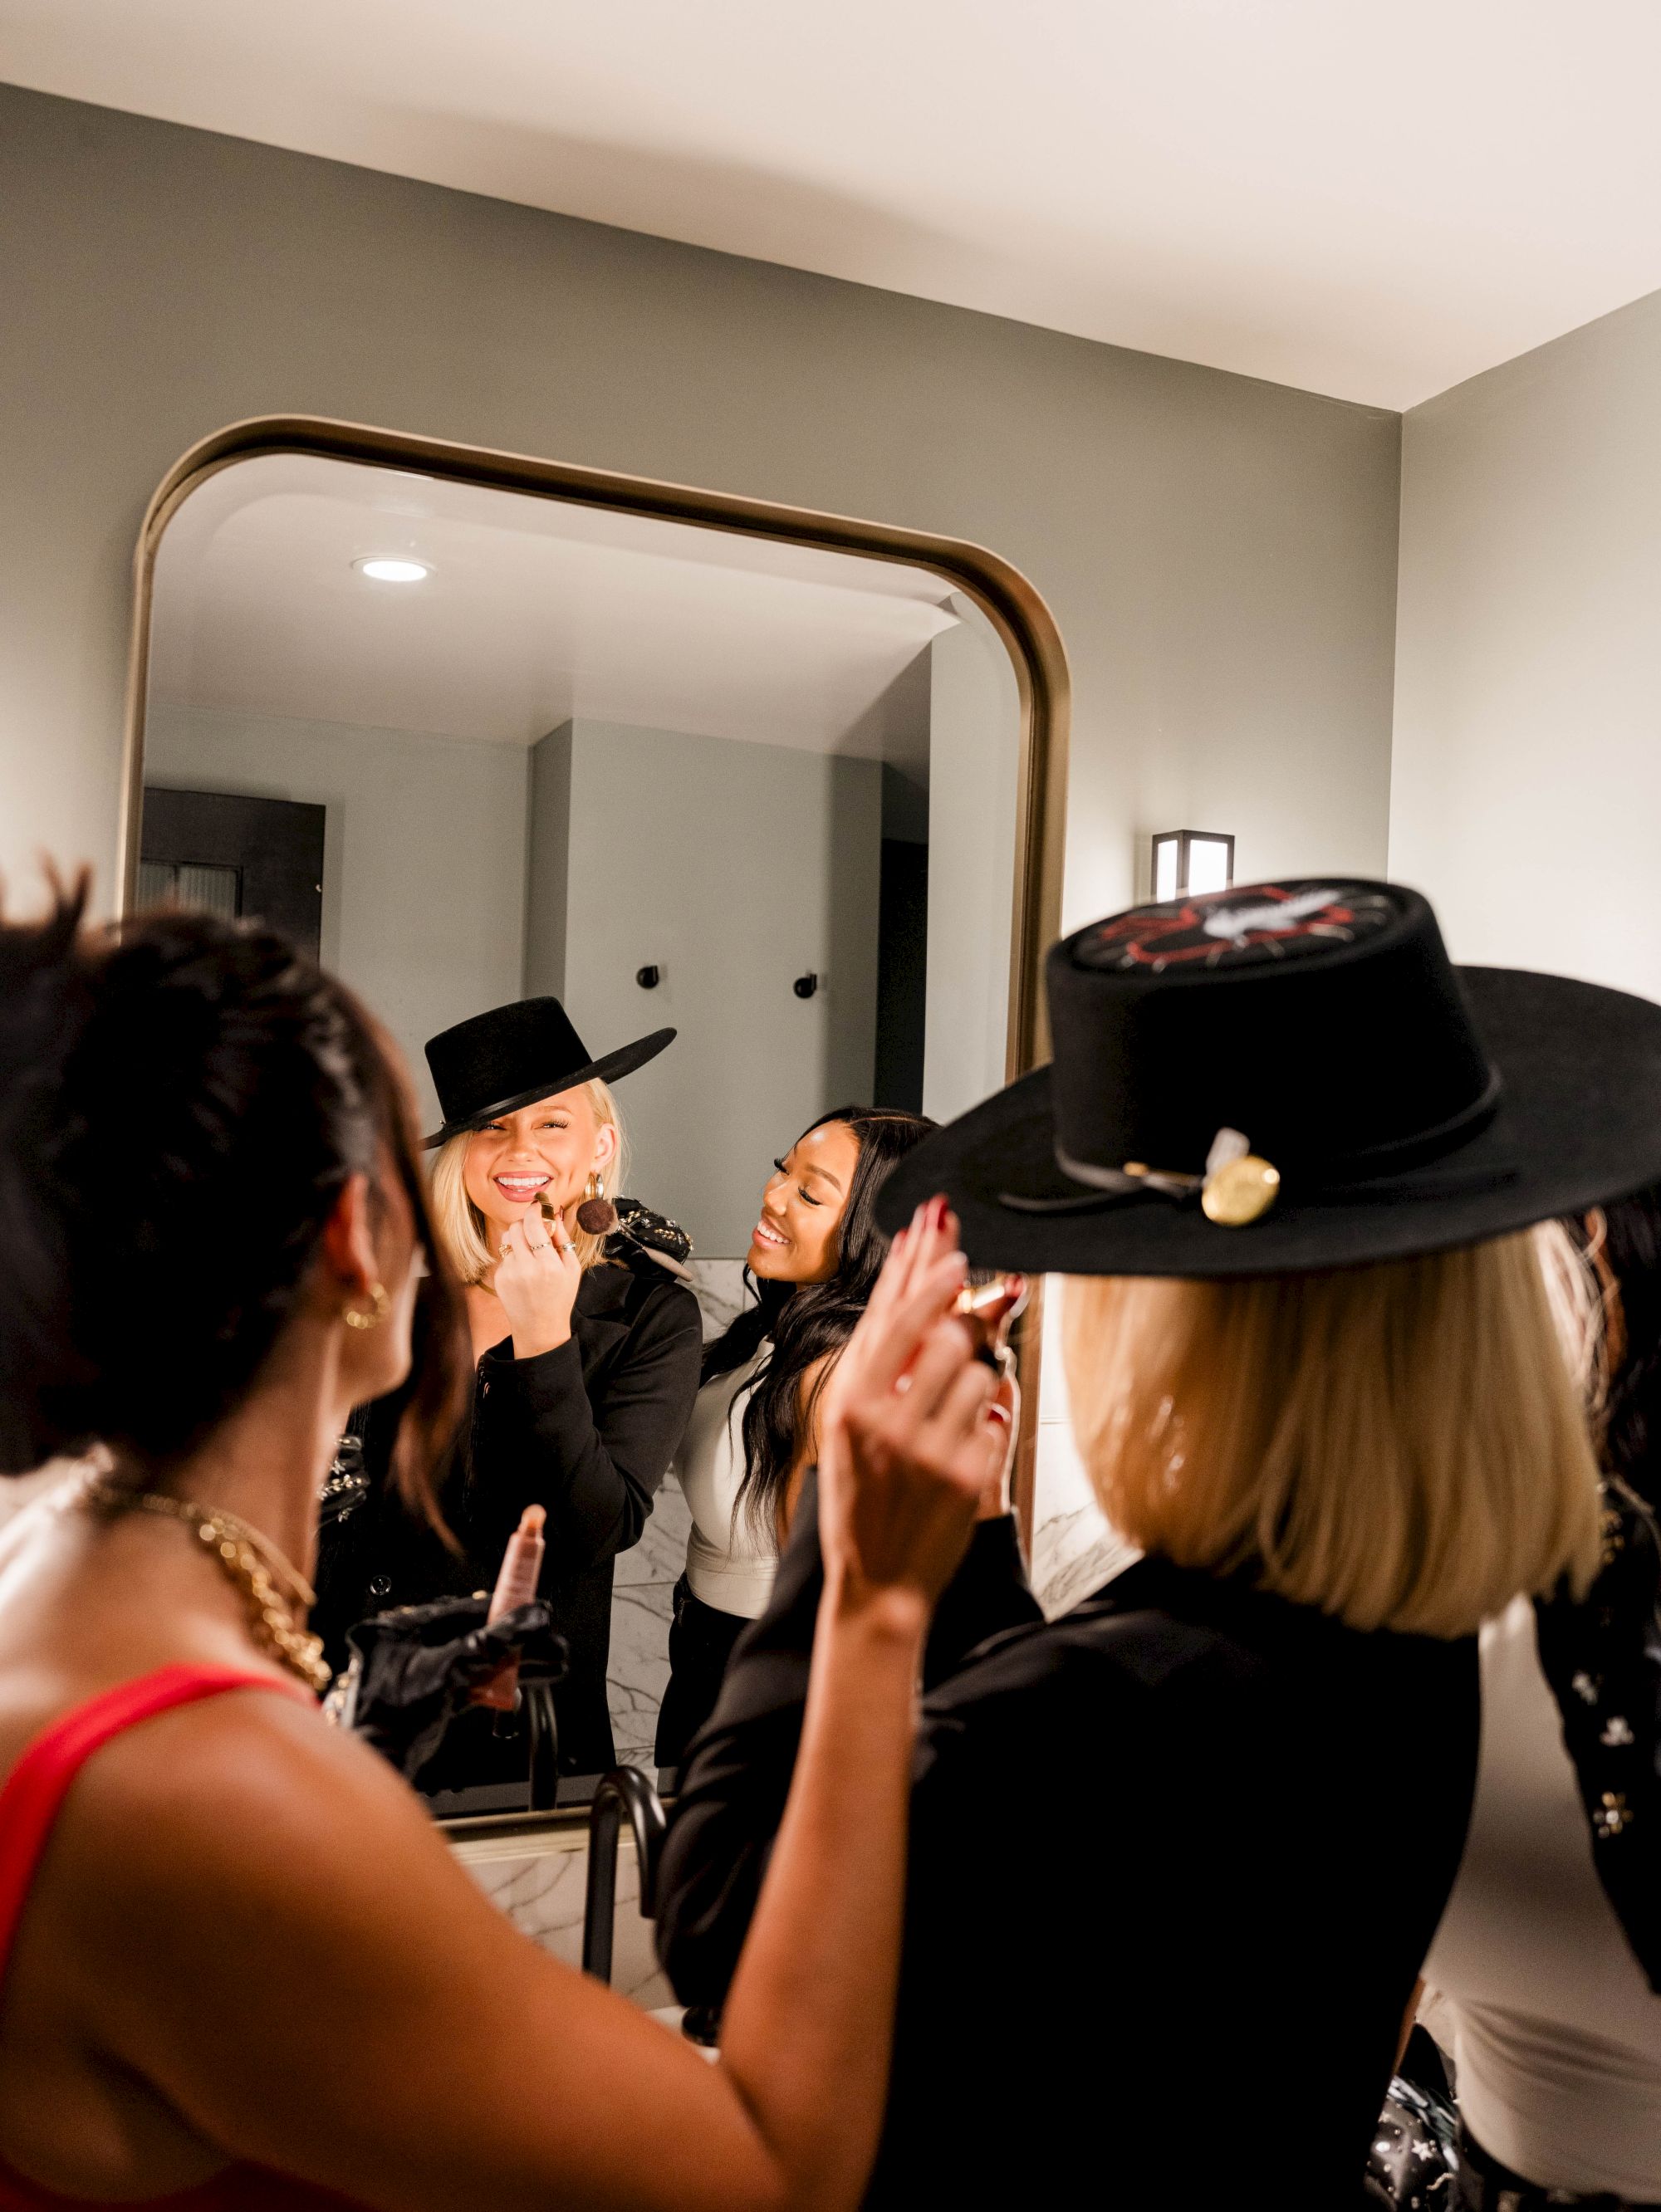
[[29, 1802]]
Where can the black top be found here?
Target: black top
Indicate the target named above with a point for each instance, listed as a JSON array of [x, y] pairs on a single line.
[[1176, 1859], [586, 1430]]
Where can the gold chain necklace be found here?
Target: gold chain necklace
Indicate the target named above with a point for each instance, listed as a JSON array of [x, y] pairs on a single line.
[[248, 1558]]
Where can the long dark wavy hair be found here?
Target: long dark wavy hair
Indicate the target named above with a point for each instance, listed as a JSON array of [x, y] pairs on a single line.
[[807, 1320], [1632, 1414], [181, 1102]]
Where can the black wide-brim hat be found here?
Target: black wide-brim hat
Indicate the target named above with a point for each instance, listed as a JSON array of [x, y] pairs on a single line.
[[510, 1057], [1293, 1076]]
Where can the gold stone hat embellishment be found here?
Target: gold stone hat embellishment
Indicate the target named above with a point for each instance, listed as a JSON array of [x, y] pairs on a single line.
[[1236, 1189], [1239, 1187]]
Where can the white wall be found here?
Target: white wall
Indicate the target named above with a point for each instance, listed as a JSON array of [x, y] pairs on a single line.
[[1526, 792], [974, 757], [732, 868], [424, 857]]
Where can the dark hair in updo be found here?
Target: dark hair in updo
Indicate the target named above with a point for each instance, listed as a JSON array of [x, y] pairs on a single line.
[[808, 1321], [182, 1101]]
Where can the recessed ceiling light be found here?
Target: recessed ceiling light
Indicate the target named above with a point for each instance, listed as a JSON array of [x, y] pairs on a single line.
[[393, 572]]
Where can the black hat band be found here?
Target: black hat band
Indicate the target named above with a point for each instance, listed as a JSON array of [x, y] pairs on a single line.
[[1380, 1173]]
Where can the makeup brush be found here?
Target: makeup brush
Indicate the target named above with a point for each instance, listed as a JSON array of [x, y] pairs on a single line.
[[598, 1217]]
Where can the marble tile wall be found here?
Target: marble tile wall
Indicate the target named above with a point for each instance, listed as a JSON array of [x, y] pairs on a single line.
[[718, 1286], [642, 1593], [542, 1891], [1074, 1548], [644, 1579]]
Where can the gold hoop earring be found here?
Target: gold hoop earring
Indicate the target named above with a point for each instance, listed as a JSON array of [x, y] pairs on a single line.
[[383, 1305], [595, 1186]]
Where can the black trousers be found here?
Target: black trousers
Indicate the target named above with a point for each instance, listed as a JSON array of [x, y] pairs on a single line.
[[701, 1640]]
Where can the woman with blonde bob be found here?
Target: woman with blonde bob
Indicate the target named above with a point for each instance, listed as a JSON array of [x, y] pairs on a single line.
[[1289, 1157], [586, 1369]]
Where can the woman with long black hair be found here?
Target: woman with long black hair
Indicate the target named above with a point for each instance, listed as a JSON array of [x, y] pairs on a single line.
[[814, 1255]]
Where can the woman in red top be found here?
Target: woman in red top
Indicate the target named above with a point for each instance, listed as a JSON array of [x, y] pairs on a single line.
[[240, 1966]]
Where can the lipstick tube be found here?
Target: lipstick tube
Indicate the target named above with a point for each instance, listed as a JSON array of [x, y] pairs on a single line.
[[516, 1584]]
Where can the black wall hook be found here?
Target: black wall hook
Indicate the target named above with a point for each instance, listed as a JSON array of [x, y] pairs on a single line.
[[805, 985], [648, 978]]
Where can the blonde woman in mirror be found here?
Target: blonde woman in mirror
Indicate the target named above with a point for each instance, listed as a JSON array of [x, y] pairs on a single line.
[[240, 1966], [584, 1371], [1314, 1376]]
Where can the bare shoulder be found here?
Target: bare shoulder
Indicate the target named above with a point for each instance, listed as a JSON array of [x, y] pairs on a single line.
[[257, 1917], [239, 1843], [247, 1759], [249, 1805]]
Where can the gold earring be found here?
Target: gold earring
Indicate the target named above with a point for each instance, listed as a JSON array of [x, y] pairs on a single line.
[[595, 1186], [383, 1306]]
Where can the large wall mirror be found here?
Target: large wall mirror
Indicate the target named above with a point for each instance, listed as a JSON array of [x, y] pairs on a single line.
[[479, 731]]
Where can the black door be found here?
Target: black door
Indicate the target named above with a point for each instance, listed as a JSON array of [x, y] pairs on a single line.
[[901, 975], [259, 858]]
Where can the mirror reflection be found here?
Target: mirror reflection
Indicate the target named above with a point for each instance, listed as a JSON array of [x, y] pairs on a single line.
[[680, 864]]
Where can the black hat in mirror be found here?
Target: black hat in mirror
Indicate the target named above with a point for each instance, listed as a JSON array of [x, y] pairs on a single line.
[[1288, 1076], [497, 1062]]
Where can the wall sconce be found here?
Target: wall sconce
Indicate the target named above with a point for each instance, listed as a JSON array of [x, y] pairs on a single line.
[[1187, 860]]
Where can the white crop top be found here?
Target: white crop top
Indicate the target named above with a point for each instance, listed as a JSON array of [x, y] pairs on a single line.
[[1557, 2036], [729, 1564]]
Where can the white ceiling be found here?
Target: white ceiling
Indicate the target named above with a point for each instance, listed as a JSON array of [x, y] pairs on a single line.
[[1373, 198], [534, 612]]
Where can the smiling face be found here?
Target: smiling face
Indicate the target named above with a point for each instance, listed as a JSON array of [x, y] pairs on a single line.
[[796, 1239], [548, 1150]]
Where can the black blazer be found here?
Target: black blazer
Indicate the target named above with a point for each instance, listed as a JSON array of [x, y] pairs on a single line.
[[586, 1430], [1176, 1859]]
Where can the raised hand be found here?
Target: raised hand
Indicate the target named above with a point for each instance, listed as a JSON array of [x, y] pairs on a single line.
[[536, 1279], [414, 1668], [906, 1452]]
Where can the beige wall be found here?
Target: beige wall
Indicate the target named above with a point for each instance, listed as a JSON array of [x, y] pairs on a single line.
[[732, 868], [423, 854], [974, 725], [1220, 553], [1527, 783]]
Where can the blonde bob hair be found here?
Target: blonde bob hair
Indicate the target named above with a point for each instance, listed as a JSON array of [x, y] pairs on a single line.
[[1401, 1444], [460, 1225]]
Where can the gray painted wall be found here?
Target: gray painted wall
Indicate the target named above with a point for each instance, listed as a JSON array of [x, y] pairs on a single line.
[[974, 742], [423, 854], [734, 868], [1221, 553], [1527, 790], [547, 851]]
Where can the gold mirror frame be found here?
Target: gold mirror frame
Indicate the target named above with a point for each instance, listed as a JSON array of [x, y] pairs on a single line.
[[1003, 595]]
